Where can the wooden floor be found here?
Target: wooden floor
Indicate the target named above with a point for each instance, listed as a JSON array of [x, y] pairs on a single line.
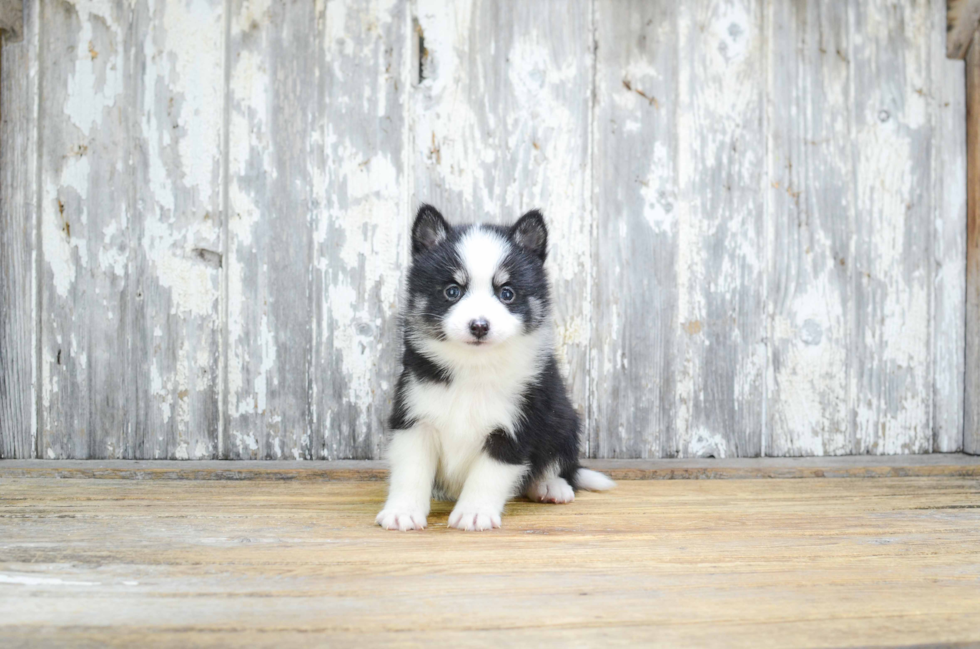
[[814, 562]]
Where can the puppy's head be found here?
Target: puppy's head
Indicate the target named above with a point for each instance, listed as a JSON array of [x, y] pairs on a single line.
[[477, 285]]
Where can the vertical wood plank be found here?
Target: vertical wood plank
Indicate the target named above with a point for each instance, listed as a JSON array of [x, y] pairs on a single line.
[[720, 351], [362, 219], [18, 237], [272, 94], [635, 194], [890, 352], [688, 208], [177, 200], [971, 424], [87, 382], [317, 223], [949, 252], [130, 187], [501, 126], [810, 221]]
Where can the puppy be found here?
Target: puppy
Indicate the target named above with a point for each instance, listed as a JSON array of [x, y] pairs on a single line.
[[480, 411]]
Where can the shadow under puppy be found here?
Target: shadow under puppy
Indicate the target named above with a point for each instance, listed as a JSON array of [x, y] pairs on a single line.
[[481, 413]]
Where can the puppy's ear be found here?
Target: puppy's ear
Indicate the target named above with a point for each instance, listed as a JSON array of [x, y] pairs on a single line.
[[531, 233], [429, 230]]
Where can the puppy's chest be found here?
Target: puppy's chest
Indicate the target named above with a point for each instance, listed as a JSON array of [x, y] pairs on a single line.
[[467, 410]]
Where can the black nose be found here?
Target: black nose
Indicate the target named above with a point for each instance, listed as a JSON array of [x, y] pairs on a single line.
[[479, 328]]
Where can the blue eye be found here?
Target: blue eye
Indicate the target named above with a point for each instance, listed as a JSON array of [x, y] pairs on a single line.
[[507, 295], [453, 292]]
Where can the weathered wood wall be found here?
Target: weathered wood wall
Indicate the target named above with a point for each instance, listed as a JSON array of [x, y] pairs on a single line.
[[758, 215], [971, 418]]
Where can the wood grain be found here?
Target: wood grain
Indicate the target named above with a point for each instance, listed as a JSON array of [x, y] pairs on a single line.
[[890, 355], [721, 355], [272, 97], [971, 422], [501, 126], [795, 563], [680, 336], [18, 236], [636, 197], [757, 216], [949, 249], [12, 19], [853, 466], [318, 212], [811, 218], [130, 200], [362, 191]]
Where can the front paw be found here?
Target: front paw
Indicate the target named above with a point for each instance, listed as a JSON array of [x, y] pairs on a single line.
[[397, 517], [474, 518]]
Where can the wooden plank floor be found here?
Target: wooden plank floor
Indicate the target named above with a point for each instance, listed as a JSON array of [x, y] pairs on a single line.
[[816, 562]]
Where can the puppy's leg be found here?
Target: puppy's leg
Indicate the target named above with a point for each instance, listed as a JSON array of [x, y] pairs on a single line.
[[488, 486], [412, 455]]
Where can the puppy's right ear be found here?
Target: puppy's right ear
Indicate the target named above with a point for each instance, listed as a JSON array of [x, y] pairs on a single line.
[[429, 230]]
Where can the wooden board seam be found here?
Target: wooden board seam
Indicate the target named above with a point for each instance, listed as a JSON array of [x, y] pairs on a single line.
[[950, 465]]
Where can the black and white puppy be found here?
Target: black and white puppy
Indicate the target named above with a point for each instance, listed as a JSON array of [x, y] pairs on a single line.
[[480, 413]]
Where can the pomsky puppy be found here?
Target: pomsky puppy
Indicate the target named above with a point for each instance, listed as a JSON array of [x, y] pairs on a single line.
[[480, 413]]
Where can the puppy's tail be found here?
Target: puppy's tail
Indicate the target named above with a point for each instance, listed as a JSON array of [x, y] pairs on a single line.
[[592, 480]]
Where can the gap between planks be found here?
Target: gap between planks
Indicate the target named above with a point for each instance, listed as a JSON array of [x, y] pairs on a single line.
[[889, 466]]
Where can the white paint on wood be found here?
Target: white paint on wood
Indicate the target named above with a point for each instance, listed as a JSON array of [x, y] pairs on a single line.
[[971, 415], [949, 250], [679, 335], [317, 222], [272, 112], [636, 198], [130, 214], [890, 353], [18, 236], [809, 230], [363, 190], [756, 213]]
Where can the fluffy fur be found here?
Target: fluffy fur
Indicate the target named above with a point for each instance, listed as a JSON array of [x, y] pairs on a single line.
[[481, 413]]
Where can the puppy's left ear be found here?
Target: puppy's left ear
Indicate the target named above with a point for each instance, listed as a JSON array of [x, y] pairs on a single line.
[[531, 233]]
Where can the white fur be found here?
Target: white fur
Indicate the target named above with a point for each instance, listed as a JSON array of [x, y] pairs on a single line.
[[593, 480], [551, 490], [489, 485], [412, 455], [482, 252], [484, 395]]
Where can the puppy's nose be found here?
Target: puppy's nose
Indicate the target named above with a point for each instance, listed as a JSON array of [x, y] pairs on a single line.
[[479, 328]]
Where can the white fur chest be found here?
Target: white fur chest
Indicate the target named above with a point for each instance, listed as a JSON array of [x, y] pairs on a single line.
[[461, 415], [481, 397]]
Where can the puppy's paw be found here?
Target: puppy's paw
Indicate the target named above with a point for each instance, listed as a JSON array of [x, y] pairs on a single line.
[[474, 518], [401, 518], [553, 490]]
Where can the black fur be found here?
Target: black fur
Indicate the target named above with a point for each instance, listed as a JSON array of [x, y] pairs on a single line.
[[547, 431]]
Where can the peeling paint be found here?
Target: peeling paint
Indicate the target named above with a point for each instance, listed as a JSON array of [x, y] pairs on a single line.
[[761, 255]]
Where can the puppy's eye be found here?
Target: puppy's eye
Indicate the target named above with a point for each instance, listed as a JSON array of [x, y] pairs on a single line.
[[507, 295], [453, 292]]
